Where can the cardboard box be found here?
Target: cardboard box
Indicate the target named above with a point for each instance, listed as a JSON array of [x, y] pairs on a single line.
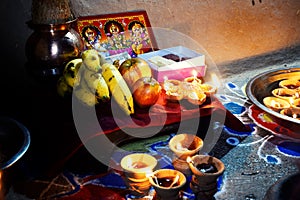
[[190, 63]]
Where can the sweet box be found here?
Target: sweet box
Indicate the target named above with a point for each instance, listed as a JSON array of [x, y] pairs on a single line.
[[176, 62]]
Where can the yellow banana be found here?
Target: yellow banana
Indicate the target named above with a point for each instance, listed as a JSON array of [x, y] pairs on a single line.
[[118, 87], [63, 89], [85, 96], [70, 72], [91, 60], [96, 84]]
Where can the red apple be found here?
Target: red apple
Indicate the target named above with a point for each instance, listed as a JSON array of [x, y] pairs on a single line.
[[133, 69], [146, 91]]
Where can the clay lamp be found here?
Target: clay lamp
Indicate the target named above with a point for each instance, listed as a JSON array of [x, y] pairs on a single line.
[[295, 103], [196, 97], [184, 145], [284, 93], [173, 89], [206, 171], [208, 89], [290, 84], [137, 167], [167, 183], [275, 103], [291, 112]]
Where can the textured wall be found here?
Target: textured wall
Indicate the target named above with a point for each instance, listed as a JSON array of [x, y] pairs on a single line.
[[227, 30]]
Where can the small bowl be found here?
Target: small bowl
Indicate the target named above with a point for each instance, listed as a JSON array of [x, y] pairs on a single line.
[[184, 145], [138, 165], [161, 181], [275, 103]]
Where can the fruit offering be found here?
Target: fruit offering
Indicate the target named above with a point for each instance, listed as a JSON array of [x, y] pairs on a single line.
[[146, 91], [134, 69], [93, 81], [118, 87]]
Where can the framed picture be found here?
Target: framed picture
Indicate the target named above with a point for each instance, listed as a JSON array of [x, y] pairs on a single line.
[[117, 33]]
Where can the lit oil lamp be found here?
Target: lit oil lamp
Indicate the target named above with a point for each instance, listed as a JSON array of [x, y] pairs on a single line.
[[284, 93], [291, 112], [295, 103], [193, 79], [137, 167], [167, 183], [173, 89], [206, 171], [290, 84], [276, 103], [184, 145]]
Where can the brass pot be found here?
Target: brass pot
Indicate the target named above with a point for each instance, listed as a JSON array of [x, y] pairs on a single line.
[[50, 47]]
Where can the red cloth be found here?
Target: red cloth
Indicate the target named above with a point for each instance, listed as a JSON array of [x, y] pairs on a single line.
[[162, 113]]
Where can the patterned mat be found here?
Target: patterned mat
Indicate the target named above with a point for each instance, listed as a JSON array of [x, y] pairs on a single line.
[[76, 185]]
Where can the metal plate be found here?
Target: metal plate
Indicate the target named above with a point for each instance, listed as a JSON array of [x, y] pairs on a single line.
[[262, 85]]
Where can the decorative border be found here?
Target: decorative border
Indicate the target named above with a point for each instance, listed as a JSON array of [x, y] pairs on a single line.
[[116, 33]]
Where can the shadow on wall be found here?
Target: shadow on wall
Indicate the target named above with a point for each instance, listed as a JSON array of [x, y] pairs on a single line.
[[279, 57]]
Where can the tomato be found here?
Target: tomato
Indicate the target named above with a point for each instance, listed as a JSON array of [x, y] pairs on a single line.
[[146, 91], [133, 69]]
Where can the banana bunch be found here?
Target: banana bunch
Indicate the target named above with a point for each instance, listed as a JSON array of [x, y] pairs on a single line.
[[118, 87], [92, 88], [70, 77], [93, 81]]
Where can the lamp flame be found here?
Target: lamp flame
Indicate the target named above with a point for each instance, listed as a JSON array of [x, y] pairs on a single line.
[[194, 73], [165, 78]]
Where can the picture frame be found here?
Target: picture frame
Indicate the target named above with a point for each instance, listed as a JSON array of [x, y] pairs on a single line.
[[117, 33]]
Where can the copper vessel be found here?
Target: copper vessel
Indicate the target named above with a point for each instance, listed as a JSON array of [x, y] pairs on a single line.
[[50, 47]]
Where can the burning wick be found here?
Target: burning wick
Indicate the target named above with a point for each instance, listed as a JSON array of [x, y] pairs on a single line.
[[189, 160], [194, 73]]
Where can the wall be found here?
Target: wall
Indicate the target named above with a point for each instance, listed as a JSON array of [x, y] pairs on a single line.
[[227, 30]]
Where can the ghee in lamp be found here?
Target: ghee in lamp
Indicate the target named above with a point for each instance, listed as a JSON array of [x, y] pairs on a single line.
[[166, 182]]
